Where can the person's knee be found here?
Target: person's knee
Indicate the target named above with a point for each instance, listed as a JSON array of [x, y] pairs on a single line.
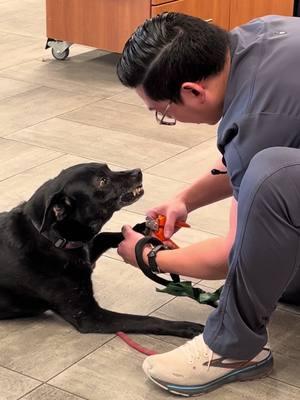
[[268, 161], [267, 168], [291, 294]]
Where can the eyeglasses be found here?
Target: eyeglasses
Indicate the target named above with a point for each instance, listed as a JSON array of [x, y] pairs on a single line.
[[163, 119]]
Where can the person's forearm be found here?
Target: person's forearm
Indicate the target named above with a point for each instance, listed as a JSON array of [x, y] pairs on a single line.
[[204, 260], [200, 260], [207, 189]]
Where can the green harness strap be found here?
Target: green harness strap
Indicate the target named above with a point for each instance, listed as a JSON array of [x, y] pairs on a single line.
[[175, 287], [185, 288]]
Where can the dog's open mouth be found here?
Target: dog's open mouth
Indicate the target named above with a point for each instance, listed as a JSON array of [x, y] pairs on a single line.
[[132, 196]]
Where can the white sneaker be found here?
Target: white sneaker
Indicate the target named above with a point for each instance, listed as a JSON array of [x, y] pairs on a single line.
[[193, 369]]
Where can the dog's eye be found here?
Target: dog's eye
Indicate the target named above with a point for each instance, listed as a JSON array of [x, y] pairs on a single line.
[[102, 182]]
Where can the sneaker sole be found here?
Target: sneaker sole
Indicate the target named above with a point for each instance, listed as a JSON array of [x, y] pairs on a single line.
[[258, 371]]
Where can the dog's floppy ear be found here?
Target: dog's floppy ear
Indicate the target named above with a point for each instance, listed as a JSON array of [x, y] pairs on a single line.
[[57, 208]]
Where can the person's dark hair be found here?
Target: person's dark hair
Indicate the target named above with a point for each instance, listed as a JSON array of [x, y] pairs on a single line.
[[171, 49]]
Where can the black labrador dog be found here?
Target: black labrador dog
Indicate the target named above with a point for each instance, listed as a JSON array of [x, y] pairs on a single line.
[[49, 245]]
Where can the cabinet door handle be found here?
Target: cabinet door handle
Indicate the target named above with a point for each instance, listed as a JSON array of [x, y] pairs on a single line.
[[208, 20]]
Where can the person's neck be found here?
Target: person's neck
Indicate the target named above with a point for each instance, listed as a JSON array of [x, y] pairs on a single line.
[[225, 75], [218, 84]]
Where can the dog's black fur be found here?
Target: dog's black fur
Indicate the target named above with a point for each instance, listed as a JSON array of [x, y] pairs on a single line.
[[49, 245]]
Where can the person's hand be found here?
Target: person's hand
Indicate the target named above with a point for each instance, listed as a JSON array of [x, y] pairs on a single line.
[[174, 210], [126, 248]]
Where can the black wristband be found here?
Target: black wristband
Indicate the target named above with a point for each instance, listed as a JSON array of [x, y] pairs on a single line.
[[139, 247], [152, 257]]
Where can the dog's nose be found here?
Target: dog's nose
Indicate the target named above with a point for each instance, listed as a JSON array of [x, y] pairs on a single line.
[[137, 173]]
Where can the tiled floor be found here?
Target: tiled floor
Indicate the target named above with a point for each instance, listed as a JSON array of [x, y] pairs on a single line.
[[55, 114]]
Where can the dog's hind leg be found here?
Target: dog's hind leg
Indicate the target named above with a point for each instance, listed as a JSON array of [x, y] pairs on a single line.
[[14, 306], [18, 314]]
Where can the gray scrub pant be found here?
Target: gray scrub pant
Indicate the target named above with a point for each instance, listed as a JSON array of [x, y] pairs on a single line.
[[265, 258]]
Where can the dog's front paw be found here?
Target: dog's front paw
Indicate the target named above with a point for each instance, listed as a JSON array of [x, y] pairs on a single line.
[[189, 329], [140, 228], [194, 329]]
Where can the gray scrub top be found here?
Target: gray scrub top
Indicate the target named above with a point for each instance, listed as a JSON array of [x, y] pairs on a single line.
[[262, 102]]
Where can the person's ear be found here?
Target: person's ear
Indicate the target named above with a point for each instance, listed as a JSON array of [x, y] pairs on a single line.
[[192, 91]]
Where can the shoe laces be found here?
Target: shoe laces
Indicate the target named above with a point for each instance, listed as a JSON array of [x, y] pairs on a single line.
[[195, 349]]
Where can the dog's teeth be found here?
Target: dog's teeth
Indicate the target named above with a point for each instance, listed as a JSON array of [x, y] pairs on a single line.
[[137, 191]]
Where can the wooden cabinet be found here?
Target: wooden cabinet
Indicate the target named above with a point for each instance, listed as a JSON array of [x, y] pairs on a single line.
[[242, 11], [104, 24], [217, 11], [159, 7], [107, 24]]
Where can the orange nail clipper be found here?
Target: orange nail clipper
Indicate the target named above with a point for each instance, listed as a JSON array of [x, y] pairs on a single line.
[[156, 226]]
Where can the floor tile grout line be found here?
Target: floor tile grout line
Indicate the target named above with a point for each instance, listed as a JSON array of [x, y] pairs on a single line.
[[297, 313], [2, 70], [33, 144], [185, 148], [21, 373], [164, 339], [109, 98], [63, 117], [39, 85], [81, 358], [67, 391], [120, 131], [19, 64], [24, 35], [163, 305], [4, 75], [19, 33], [181, 152], [57, 150], [124, 102], [24, 141], [155, 309], [9, 138], [55, 387], [285, 383], [94, 99], [88, 159], [30, 391], [60, 116], [162, 176], [19, 93], [33, 167]]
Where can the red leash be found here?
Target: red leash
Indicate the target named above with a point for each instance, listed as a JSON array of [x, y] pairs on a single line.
[[135, 345], [157, 227]]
